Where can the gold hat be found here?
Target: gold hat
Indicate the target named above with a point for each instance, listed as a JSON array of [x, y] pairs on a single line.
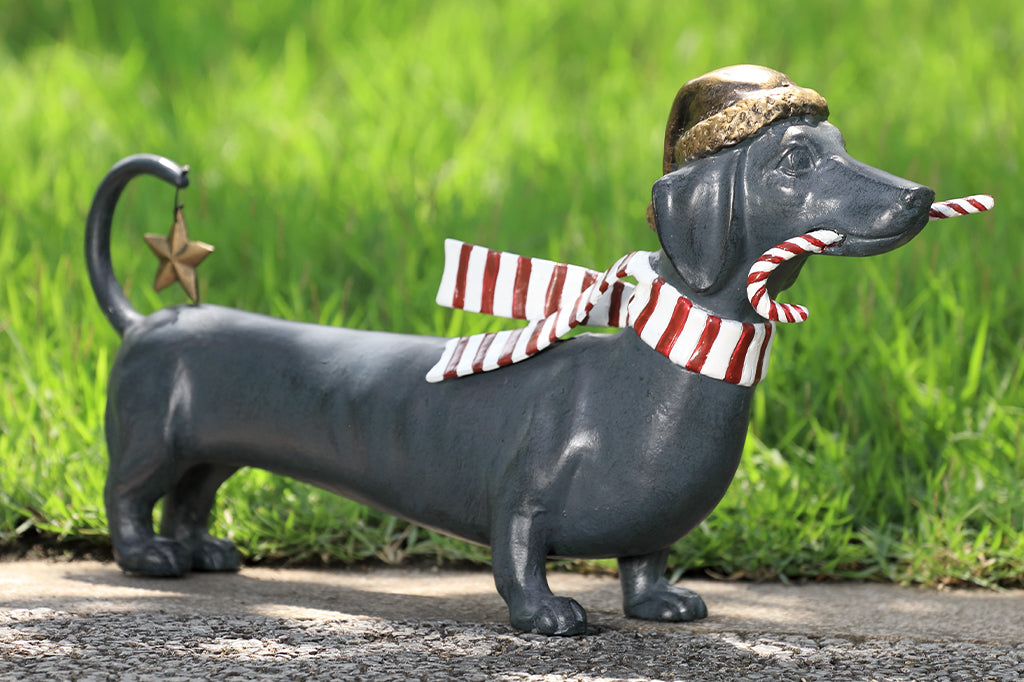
[[726, 106]]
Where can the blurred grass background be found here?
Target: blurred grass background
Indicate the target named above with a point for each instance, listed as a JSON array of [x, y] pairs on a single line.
[[334, 145]]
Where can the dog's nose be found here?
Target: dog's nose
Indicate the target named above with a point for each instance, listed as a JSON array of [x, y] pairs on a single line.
[[918, 197]]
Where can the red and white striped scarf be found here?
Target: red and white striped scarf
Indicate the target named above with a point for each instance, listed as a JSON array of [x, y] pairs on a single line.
[[556, 297]]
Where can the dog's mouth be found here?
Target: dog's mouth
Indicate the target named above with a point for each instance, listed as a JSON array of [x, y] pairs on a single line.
[[853, 244]]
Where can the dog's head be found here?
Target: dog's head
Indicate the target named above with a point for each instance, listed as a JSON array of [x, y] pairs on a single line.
[[750, 161]]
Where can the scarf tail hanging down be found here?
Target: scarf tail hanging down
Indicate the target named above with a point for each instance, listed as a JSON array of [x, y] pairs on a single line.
[[556, 297]]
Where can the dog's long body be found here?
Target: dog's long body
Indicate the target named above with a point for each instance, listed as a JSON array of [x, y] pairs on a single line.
[[598, 447], [527, 460], [349, 410]]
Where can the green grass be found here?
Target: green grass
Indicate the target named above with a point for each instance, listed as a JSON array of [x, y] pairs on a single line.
[[334, 145]]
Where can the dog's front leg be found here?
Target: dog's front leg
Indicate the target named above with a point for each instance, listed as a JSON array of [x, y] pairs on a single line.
[[518, 557], [647, 594]]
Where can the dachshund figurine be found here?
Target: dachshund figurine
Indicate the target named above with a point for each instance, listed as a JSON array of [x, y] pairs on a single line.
[[603, 445]]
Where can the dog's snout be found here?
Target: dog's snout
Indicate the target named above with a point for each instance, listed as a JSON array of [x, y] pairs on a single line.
[[918, 197]]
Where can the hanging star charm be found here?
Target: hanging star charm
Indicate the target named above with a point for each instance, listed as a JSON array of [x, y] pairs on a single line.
[[178, 257]]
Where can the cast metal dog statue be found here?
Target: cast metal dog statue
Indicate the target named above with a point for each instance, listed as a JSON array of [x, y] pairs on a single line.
[[598, 447]]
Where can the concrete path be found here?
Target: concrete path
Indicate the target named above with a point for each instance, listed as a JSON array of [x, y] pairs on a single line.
[[88, 621]]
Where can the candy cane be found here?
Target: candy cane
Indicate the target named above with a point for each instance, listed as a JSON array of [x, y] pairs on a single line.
[[818, 241], [763, 267], [976, 203]]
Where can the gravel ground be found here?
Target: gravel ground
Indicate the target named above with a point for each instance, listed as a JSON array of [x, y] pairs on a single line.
[[44, 644], [89, 622]]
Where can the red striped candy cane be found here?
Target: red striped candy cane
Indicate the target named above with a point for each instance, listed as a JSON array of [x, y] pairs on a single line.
[[976, 203], [763, 267]]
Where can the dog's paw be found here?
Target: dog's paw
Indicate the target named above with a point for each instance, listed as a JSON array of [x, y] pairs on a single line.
[[215, 554], [552, 616], [157, 556], [667, 603]]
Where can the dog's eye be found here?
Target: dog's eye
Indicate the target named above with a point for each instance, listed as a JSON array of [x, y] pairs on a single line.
[[796, 161]]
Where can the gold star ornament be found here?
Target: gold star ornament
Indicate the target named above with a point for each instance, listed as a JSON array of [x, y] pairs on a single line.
[[178, 257]]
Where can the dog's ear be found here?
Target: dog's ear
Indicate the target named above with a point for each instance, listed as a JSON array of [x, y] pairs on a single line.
[[693, 211]]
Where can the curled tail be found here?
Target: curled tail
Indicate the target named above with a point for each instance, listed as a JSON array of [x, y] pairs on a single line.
[[113, 302]]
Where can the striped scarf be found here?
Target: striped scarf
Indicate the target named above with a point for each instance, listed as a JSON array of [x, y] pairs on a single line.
[[556, 297]]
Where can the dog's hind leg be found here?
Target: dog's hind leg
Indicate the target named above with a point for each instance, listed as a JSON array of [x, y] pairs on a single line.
[[518, 556], [647, 594], [186, 516], [135, 482]]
